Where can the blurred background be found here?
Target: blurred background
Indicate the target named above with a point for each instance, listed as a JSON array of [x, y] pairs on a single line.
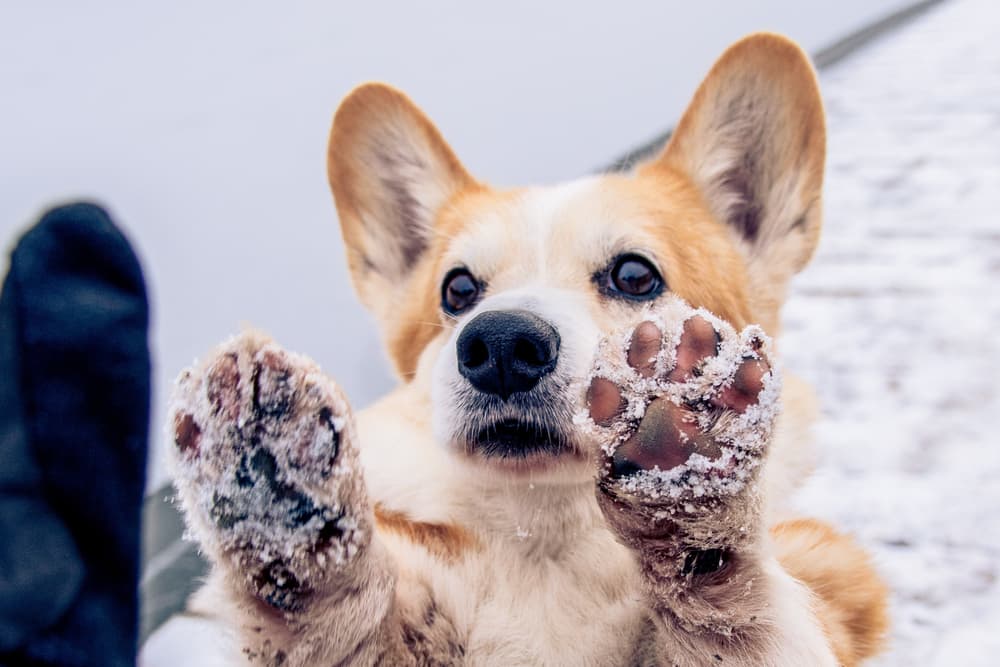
[[202, 126]]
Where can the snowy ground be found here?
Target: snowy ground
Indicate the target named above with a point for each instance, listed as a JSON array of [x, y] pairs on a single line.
[[896, 324]]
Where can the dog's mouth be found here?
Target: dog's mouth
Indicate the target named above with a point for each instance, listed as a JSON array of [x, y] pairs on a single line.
[[519, 439]]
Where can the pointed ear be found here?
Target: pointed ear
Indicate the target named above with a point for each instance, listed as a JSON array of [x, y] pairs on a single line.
[[753, 140], [390, 172]]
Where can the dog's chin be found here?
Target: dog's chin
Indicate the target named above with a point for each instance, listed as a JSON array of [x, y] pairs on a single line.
[[521, 447]]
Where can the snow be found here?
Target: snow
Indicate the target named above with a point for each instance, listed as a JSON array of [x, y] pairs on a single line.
[[895, 323], [171, 645]]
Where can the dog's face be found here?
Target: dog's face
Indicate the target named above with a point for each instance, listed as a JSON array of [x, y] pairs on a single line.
[[527, 283], [495, 300]]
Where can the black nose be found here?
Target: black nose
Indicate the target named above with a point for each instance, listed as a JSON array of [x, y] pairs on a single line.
[[505, 351]]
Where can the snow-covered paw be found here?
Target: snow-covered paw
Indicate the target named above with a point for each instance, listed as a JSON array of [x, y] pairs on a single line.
[[684, 406], [267, 470]]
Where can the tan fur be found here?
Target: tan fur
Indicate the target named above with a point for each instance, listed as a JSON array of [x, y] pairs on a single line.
[[474, 563], [418, 319], [851, 597], [702, 264], [448, 542]]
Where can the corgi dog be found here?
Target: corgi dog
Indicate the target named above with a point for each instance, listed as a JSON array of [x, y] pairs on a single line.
[[584, 462]]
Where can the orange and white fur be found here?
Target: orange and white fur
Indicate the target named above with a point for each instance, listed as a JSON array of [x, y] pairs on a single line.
[[484, 512]]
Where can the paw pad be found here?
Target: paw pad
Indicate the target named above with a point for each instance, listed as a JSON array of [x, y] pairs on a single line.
[[683, 403], [187, 434], [266, 467], [222, 387], [666, 438]]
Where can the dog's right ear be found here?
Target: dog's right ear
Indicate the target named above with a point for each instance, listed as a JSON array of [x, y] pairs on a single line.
[[753, 141], [390, 172]]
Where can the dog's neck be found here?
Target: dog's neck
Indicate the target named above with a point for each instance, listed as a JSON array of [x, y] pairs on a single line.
[[536, 519]]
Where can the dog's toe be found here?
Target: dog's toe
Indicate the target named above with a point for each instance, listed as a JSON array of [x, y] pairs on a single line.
[[699, 341]]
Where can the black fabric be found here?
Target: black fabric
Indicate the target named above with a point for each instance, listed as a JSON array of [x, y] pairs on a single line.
[[74, 416]]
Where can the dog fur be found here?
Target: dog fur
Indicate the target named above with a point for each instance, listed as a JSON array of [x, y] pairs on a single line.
[[464, 560]]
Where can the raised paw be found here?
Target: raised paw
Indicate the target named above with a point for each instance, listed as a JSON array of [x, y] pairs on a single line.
[[267, 470], [684, 406]]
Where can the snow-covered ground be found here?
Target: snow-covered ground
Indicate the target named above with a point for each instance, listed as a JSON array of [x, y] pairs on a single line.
[[896, 323]]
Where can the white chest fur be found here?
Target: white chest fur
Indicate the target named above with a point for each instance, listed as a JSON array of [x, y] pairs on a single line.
[[549, 583]]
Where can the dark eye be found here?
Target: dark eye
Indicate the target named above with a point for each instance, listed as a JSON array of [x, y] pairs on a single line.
[[634, 277], [458, 291]]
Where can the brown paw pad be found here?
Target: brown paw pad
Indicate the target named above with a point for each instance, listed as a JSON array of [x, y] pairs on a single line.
[[667, 436], [222, 386], [187, 434], [274, 389], [747, 384], [644, 348], [604, 401], [699, 342]]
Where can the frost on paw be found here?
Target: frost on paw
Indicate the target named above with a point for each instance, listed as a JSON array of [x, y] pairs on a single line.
[[266, 468], [683, 404]]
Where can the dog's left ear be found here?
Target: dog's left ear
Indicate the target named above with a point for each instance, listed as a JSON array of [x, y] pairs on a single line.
[[753, 141], [390, 172]]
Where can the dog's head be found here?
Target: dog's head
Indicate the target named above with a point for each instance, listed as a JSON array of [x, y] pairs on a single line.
[[495, 299]]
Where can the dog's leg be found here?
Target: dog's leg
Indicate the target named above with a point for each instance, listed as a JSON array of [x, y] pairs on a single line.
[[268, 473], [851, 598], [687, 405]]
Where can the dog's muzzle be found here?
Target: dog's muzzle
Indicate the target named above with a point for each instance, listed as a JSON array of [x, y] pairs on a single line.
[[503, 352]]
